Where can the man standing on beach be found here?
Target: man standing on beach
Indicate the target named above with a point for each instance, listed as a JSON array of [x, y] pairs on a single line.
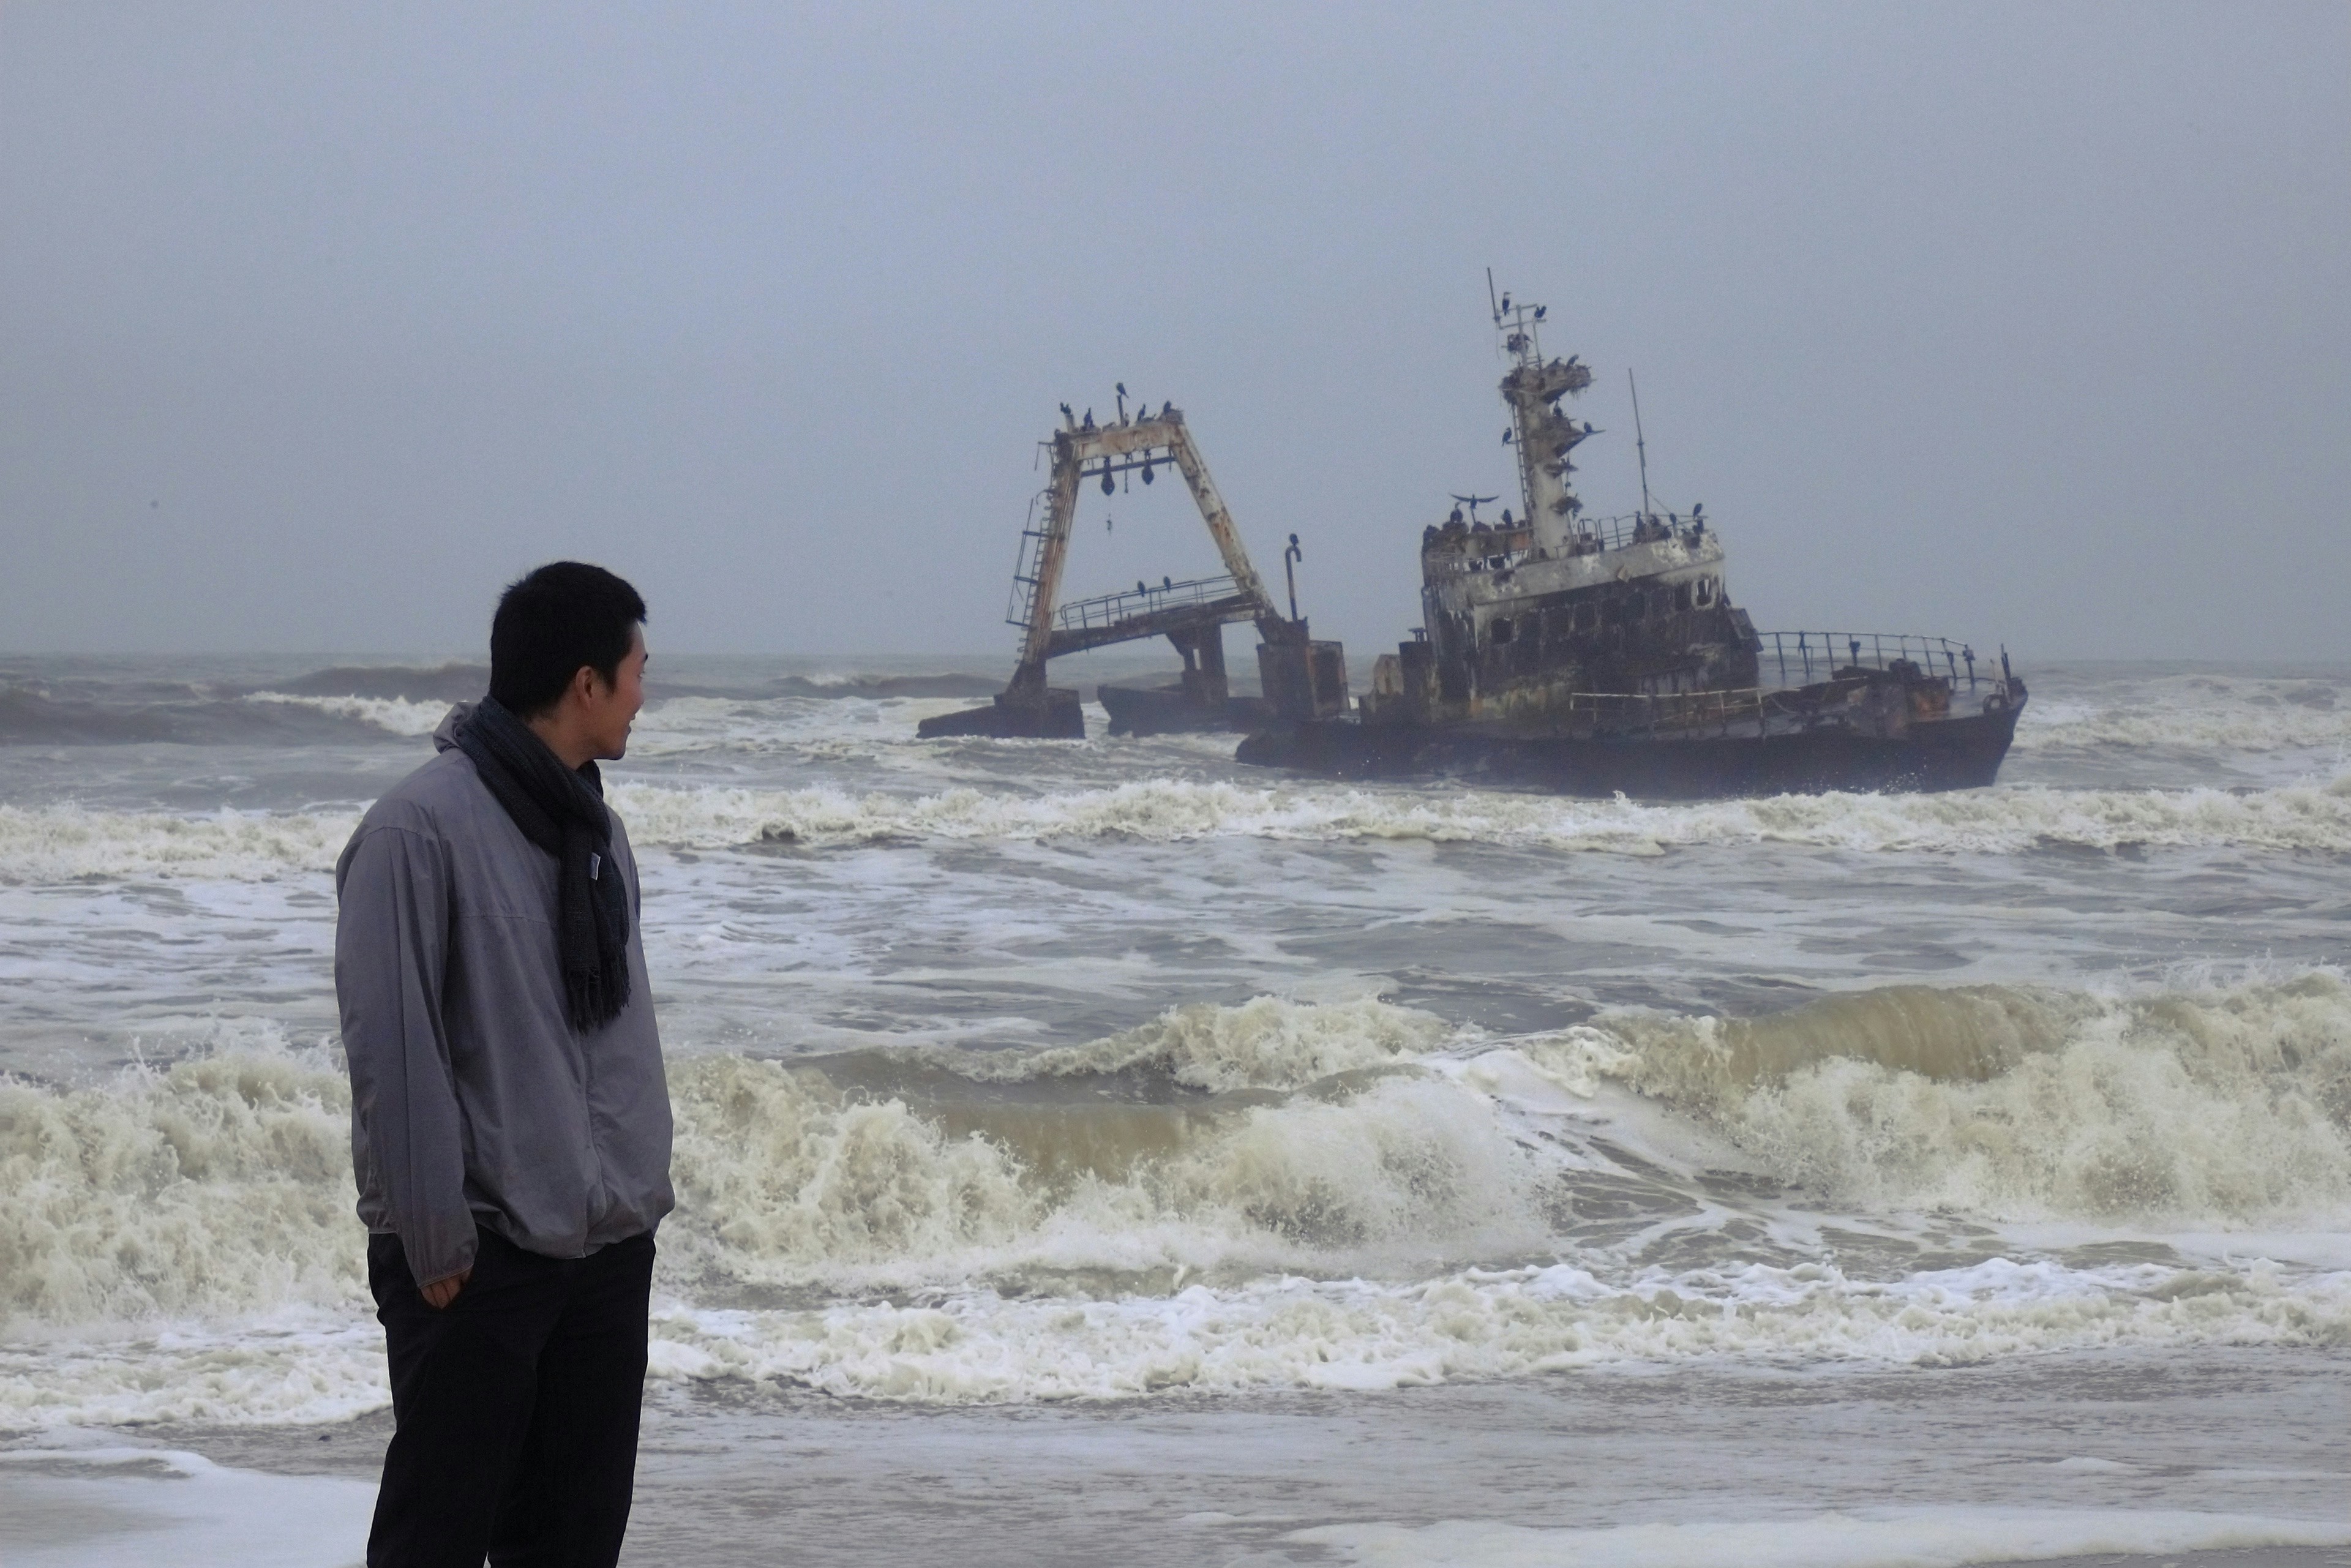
[[510, 1123]]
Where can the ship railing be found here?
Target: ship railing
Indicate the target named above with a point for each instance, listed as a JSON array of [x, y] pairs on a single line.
[[1143, 599], [1499, 548], [1589, 536], [1804, 657]]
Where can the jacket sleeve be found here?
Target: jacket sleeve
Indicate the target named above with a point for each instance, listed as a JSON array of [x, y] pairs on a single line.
[[392, 942]]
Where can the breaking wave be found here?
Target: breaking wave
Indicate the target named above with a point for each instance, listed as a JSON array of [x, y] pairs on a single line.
[[1271, 1135], [1359, 1334], [369, 701], [64, 844], [397, 716], [843, 725], [2014, 1103], [42, 844], [1273, 1195], [2314, 817], [855, 686], [31, 716], [218, 1184], [2211, 715], [1264, 1043]]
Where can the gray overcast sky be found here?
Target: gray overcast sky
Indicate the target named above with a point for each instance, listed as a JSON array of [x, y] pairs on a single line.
[[318, 323]]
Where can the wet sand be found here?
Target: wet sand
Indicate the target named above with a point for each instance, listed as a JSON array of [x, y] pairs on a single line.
[[1567, 1469]]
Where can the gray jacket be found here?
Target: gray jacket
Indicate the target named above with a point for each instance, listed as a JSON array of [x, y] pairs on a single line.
[[474, 1101]]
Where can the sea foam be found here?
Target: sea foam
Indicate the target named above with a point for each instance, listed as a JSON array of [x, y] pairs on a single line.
[[1325, 1140], [40, 844], [2314, 815], [2018, 1101], [1274, 1195], [1358, 1334], [394, 715], [71, 843]]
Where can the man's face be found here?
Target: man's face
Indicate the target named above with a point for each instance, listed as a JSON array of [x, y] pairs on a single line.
[[610, 709]]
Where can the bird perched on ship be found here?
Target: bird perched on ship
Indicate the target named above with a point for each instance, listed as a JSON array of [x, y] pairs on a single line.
[[1090, 420], [1066, 413], [1541, 311]]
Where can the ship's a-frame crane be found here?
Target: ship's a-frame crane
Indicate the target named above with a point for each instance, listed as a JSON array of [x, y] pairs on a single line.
[[1191, 614]]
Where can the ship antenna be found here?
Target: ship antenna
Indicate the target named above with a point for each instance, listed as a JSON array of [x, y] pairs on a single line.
[[1640, 442], [1491, 302]]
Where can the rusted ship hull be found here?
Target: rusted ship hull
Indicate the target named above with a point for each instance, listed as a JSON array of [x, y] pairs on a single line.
[[1963, 753]]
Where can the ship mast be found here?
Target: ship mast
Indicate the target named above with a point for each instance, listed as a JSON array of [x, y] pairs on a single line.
[[1640, 442], [1543, 435]]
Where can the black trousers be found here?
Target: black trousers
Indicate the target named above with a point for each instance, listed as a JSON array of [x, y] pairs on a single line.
[[514, 1409]]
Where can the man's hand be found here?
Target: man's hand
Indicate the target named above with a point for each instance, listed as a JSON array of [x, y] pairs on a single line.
[[441, 1292]]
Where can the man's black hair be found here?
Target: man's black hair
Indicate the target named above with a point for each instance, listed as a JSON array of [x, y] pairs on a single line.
[[550, 622]]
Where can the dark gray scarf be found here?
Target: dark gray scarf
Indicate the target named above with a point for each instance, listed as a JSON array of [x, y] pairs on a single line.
[[562, 811]]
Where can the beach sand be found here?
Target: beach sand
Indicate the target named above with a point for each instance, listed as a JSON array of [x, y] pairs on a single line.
[[2195, 1457]]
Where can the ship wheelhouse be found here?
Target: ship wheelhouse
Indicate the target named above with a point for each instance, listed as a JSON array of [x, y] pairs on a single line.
[[1520, 621]]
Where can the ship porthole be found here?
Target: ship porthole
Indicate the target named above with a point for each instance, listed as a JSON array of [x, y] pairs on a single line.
[[1498, 631]]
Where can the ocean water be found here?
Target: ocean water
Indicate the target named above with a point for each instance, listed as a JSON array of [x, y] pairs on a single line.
[[1099, 1151]]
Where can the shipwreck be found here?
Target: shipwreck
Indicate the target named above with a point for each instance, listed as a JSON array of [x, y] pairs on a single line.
[[1556, 651], [1598, 656]]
